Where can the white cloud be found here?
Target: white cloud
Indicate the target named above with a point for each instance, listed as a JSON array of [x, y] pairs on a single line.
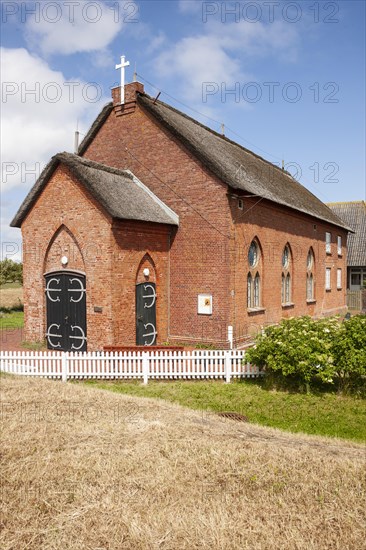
[[67, 28], [40, 110], [223, 54], [197, 60], [103, 59], [157, 42], [257, 40], [34, 127]]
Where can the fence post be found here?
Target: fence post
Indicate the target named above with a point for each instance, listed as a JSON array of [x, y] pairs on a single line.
[[64, 357], [228, 366], [145, 366], [230, 335]]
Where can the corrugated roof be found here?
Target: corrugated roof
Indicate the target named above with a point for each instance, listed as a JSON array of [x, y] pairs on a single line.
[[237, 166], [354, 215], [120, 193]]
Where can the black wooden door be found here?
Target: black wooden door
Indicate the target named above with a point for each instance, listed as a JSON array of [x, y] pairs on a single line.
[[146, 314], [66, 311]]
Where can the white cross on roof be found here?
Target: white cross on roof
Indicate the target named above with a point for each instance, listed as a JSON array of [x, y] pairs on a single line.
[[122, 66]]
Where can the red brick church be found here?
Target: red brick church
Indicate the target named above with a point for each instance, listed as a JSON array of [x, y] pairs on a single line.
[[162, 230]]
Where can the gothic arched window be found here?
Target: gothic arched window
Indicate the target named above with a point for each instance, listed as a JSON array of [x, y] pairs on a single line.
[[310, 266], [254, 276], [286, 278]]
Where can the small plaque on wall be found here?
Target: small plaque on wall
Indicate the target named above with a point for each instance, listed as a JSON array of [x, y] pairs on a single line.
[[205, 304]]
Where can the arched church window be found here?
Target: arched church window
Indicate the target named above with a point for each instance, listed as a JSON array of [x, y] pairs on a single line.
[[310, 266], [286, 277], [254, 276]]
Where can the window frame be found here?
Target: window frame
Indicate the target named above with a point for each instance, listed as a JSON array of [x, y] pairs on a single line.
[[359, 273], [249, 289], [339, 245], [328, 242], [254, 294], [310, 287], [257, 290], [339, 278], [254, 278], [310, 277], [286, 254], [286, 276], [328, 283], [310, 264], [252, 245]]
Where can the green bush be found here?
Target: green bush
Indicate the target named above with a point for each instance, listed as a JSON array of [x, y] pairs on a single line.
[[349, 352], [10, 272], [306, 351], [15, 307]]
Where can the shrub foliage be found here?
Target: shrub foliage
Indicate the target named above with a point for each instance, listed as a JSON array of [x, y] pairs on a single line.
[[311, 351], [10, 272]]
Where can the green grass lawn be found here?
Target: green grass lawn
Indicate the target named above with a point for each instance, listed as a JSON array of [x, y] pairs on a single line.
[[326, 414], [15, 319]]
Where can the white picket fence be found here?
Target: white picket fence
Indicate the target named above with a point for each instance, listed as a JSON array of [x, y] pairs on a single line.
[[173, 365]]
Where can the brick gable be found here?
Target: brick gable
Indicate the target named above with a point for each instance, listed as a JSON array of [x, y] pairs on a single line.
[[206, 254]]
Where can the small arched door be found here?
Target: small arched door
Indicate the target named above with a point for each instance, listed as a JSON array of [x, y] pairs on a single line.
[[66, 311], [146, 314]]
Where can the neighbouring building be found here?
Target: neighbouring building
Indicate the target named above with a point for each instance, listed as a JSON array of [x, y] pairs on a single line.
[[354, 215], [162, 230]]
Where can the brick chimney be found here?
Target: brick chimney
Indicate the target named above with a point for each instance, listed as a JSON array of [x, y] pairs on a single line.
[[131, 91]]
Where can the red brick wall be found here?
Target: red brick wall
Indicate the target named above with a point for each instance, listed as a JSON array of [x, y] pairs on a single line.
[[137, 246], [199, 256], [88, 244], [207, 254], [66, 221], [274, 228], [63, 244], [202, 258]]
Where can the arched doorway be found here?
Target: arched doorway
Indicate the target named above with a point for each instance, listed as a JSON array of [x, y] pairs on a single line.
[[146, 296], [66, 311], [146, 314]]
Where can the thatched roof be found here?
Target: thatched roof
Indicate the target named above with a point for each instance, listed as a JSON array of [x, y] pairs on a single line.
[[234, 165], [237, 166], [354, 215], [119, 192]]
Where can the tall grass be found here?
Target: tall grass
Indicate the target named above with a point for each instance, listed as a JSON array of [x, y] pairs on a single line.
[[86, 469], [326, 414]]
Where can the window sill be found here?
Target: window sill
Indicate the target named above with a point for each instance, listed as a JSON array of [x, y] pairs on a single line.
[[328, 290], [287, 305], [312, 301], [340, 255], [339, 288], [328, 253], [256, 309]]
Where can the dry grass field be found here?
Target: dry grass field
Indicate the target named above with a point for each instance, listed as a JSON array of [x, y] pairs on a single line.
[[87, 469], [10, 296]]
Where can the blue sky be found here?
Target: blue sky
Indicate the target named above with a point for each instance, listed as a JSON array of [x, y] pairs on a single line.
[[296, 72]]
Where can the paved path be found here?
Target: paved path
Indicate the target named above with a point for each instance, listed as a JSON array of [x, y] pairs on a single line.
[[11, 339]]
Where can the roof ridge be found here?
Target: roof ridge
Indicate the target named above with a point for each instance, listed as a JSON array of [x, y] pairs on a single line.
[[346, 202], [225, 138], [104, 184], [71, 157], [276, 186], [94, 128]]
